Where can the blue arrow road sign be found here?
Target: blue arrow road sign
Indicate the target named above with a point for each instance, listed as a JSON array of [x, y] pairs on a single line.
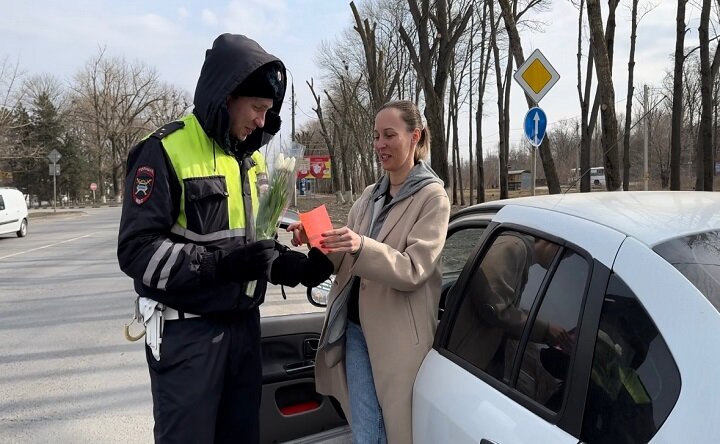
[[535, 125]]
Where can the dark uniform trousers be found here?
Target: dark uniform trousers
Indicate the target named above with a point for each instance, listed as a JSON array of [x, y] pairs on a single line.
[[207, 385]]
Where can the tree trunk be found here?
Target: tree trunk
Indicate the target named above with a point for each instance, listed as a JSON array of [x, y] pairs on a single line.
[[448, 134], [456, 143], [607, 94], [431, 61], [704, 167], [582, 172], [380, 91], [677, 107], [485, 53], [325, 134], [551, 176], [470, 107], [629, 99], [502, 173]]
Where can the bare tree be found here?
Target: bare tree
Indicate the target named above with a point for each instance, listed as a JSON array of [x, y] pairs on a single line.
[[172, 103], [586, 124], [511, 18], [431, 57], [677, 108], [329, 145], [629, 97], [607, 94], [703, 160], [10, 98], [113, 99], [503, 120], [483, 70], [376, 64]]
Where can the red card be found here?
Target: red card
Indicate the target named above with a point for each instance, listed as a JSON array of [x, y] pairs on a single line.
[[316, 222]]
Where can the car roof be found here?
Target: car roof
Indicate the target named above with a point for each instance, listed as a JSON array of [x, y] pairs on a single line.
[[651, 217]]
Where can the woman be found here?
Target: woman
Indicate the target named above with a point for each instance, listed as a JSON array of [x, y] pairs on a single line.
[[382, 310]]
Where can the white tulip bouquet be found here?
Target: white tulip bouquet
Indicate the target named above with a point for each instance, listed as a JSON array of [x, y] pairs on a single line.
[[275, 200]]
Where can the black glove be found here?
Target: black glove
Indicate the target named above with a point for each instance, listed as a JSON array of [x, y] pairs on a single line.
[[292, 268], [317, 270], [287, 268], [246, 263]]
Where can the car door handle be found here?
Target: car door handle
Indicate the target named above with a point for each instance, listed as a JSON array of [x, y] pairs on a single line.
[[299, 367], [310, 347], [487, 441]]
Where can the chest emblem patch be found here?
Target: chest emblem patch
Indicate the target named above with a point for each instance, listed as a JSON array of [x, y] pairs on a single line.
[[143, 184]]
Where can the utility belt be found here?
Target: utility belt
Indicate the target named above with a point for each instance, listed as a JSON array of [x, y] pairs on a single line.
[[170, 314], [152, 314]]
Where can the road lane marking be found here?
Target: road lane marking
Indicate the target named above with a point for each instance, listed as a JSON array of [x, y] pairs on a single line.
[[45, 246]]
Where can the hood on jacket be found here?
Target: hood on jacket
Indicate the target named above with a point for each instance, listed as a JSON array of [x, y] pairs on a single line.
[[228, 63], [420, 175]]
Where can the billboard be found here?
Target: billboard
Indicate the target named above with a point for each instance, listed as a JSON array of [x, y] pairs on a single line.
[[315, 167]]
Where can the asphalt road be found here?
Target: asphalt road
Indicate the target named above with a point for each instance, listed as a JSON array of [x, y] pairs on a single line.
[[67, 374]]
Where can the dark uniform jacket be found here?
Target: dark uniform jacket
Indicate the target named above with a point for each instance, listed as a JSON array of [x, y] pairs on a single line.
[[169, 266]]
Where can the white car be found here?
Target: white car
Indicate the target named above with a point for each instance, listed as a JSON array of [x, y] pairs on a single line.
[[599, 327], [13, 212]]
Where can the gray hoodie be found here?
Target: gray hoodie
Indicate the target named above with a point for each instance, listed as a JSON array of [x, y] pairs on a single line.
[[420, 175]]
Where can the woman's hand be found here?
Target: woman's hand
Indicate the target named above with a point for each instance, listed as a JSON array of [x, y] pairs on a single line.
[[299, 235], [341, 240]]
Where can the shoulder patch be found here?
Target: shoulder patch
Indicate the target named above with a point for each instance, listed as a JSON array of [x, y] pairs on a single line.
[[168, 129], [143, 184]]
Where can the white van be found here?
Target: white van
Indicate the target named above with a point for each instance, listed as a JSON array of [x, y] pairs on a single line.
[[13, 212]]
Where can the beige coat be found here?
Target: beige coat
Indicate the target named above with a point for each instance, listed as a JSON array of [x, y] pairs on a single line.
[[398, 302]]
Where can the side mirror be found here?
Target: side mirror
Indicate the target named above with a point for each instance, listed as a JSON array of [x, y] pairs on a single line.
[[318, 296]]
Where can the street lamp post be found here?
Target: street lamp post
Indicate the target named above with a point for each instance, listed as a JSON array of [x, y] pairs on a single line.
[[54, 156], [292, 126]]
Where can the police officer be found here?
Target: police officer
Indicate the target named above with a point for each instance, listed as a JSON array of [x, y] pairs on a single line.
[[186, 238]]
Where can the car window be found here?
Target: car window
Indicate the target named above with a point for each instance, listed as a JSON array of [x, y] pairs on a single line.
[[496, 302], [634, 382], [458, 246], [697, 257], [2, 203], [546, 358]]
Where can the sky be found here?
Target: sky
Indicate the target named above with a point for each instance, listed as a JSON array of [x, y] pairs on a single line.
[[59, 37]]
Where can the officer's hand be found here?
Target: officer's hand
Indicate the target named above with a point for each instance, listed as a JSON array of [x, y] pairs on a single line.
[[292, 268], [317, 269], [287, 269], [246, 263]]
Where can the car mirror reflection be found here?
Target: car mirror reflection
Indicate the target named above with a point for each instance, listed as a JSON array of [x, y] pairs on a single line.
[[318, 296]]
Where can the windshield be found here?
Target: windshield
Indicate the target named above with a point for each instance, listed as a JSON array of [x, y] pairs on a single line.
[[697, 257]]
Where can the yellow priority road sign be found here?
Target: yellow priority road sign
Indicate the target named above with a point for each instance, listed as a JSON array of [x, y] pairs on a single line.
[[536, 76]]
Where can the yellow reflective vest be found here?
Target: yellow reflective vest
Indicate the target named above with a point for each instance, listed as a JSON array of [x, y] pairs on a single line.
[[219, 192]]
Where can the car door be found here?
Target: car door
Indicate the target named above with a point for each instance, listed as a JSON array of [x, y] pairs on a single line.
[[465, 231], [290, 407], [4, 216], [290, 331], [512, 366]]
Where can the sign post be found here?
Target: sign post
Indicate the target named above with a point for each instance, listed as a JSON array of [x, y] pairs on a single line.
[[534, 127], [93, 187], [54, 156], [536, 76]]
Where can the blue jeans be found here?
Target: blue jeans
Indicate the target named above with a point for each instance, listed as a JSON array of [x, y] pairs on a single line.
[[368, 426]]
